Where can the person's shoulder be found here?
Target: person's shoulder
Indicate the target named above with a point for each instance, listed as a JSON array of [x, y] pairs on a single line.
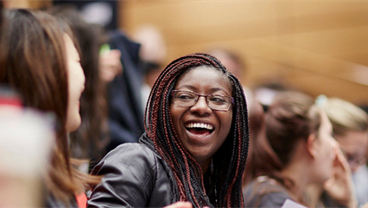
[[131, 176], [264, 182], [129, 150], [128, 157], [264, 192]]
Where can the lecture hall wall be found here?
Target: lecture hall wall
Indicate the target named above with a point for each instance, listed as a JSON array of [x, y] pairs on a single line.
[[319, 47]]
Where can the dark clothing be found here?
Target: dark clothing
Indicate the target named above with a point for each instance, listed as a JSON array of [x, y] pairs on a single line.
[[124, 94], [327, 201], [264, 192], [51, 202], [134, 176]]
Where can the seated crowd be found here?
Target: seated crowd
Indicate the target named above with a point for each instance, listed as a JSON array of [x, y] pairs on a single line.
[[202, 141]]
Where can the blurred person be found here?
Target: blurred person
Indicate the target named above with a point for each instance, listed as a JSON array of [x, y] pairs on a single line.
[[152, 53], [350, 129], [125, 117], [25, 146], [264, 93], [256, 120], [231, 60], [295, 149], [235, 65], [1, 12], [90, 139], [39, 60], [110, 65], [194, 148]]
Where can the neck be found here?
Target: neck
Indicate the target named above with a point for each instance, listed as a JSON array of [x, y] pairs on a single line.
[[296, 172], [204, 164]]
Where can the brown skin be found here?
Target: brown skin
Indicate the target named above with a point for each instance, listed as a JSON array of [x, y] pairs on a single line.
[[202, 80]]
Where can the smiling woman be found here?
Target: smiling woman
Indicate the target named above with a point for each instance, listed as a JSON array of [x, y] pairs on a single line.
[[203, 126], [39, 60], [195, 146]]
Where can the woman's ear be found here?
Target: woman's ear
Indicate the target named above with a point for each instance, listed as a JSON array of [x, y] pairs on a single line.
[[312, 145]]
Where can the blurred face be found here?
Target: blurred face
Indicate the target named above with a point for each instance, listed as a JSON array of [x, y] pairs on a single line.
[[353, 144], [231, 65], [202, 130], [326, 152], [76, 82]]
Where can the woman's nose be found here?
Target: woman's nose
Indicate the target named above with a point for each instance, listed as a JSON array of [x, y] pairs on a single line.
[[335, 146], [201, 106]]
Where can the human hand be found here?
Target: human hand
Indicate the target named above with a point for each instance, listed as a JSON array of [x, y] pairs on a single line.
[[110, 65], [181, 205], [340, 186]]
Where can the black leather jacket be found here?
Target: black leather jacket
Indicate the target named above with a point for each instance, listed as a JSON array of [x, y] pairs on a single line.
[[134, 176]]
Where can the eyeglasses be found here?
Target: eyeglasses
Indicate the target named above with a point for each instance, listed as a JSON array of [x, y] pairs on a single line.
[[353, 159], [189, 99]]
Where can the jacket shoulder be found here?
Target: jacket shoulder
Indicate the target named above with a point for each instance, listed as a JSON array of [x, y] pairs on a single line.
[[130, 175], [128, 150]]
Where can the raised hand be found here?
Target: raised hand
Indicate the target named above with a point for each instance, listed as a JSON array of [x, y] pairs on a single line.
[[340, 186], [110, 65]]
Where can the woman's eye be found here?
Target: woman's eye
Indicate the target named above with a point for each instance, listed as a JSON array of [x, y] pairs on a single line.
[[218, 99], [185, 96]]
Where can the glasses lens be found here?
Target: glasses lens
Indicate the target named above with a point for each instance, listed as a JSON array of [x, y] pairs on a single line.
[[218, 102], [188, 99], [354, 160], [184, 98]]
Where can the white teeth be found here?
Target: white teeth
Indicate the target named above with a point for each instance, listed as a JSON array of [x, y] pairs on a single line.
[[200, 125]]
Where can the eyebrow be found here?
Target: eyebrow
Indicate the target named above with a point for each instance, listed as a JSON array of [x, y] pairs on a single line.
[[212, 90]]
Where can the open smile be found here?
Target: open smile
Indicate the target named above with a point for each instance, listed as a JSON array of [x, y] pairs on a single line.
[[199, 130]]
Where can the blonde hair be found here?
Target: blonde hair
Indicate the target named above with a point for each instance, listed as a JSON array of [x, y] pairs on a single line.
[[343, 115]]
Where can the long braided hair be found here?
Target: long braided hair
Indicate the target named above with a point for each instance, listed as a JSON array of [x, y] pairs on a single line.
[[228, 162]]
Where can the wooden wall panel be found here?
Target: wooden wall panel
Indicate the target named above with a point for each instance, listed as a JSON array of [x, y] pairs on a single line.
[[315, 46], [33, 4]]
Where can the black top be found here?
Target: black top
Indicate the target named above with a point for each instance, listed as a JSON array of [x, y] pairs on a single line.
[[124, 94]]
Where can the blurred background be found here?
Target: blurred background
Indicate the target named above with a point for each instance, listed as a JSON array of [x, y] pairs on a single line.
[[319, 47]]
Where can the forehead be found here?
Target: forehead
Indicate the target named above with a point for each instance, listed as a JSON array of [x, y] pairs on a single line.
[[69, 46], [353, 140], [204, 76]]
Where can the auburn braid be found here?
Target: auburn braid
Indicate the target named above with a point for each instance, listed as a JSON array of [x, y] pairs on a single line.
[[229, 160]]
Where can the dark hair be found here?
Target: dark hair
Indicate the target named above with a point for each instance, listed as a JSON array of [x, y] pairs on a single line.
[[1, 14], [291, 117], [256, 123], [229, 160], [33, 62], [93, 132]]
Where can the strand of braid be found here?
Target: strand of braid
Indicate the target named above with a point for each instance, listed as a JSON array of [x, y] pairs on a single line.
[[229, 161]]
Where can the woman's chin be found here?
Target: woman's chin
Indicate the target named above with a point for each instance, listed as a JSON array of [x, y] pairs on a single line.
[[73, 125]]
